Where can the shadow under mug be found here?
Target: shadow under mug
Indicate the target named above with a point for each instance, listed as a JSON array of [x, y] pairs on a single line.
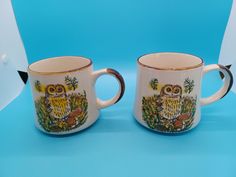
[[168, 91], [64, 94]]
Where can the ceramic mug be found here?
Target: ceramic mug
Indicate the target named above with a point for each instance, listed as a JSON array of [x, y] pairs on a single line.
[[64, 94], [168, 92]]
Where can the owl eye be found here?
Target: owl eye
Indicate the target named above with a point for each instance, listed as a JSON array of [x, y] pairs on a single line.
[[168, 89], [176, 90], [51, 89], [59, 89]]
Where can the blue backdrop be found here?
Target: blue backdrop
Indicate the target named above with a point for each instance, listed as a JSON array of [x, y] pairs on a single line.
[[118, 31], [114, 33]]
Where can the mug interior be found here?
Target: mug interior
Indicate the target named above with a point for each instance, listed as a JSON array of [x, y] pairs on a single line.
[[170, 61], [60, 64]]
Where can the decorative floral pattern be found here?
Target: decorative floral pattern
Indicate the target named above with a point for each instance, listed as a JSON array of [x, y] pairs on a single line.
[[58, 110], [170, 110], [71, 82], [154, 83], [188, 85]]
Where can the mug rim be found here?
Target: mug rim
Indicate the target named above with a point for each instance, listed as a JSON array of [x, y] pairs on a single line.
[[58, 72], [172, 68]]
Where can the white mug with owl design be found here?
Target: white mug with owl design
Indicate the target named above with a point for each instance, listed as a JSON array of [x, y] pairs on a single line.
[[64, 94], [168, 92]]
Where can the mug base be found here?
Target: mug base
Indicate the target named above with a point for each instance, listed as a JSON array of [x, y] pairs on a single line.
[[61, 133], [164, 132]]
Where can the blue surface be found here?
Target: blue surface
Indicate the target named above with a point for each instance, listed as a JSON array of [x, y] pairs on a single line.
[[114, 34]]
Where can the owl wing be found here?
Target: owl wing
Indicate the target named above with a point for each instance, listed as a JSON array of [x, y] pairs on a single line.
[[68, 108], [159, 103], [48, 105]]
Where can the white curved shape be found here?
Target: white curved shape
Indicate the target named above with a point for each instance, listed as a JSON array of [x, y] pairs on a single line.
[[12, 55], [228, 47]]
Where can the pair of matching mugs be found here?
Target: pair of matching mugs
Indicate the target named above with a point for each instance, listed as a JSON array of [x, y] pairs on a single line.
[[168, 92]]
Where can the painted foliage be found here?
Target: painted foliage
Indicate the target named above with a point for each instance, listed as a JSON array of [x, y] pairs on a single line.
[[59, 109], [171, 109]]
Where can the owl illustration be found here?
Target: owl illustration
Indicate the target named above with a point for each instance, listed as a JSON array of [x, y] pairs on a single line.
[[57, 102], [170, 97]]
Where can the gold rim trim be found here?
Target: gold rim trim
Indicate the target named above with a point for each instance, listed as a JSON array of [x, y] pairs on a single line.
[[59, 72], [170, 69]]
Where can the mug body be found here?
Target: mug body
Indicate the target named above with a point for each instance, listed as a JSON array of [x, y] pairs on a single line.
[[168, 92], [63, 94]]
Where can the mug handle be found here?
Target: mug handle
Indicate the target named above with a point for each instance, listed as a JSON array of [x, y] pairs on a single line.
[[102, 103], [228, 82]]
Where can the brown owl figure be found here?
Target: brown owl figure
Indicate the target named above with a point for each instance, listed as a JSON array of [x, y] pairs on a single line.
[[170, 96], [57, 102]]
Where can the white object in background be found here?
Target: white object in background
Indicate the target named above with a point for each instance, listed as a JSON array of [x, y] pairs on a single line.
[[228, 47], [13, 61]]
